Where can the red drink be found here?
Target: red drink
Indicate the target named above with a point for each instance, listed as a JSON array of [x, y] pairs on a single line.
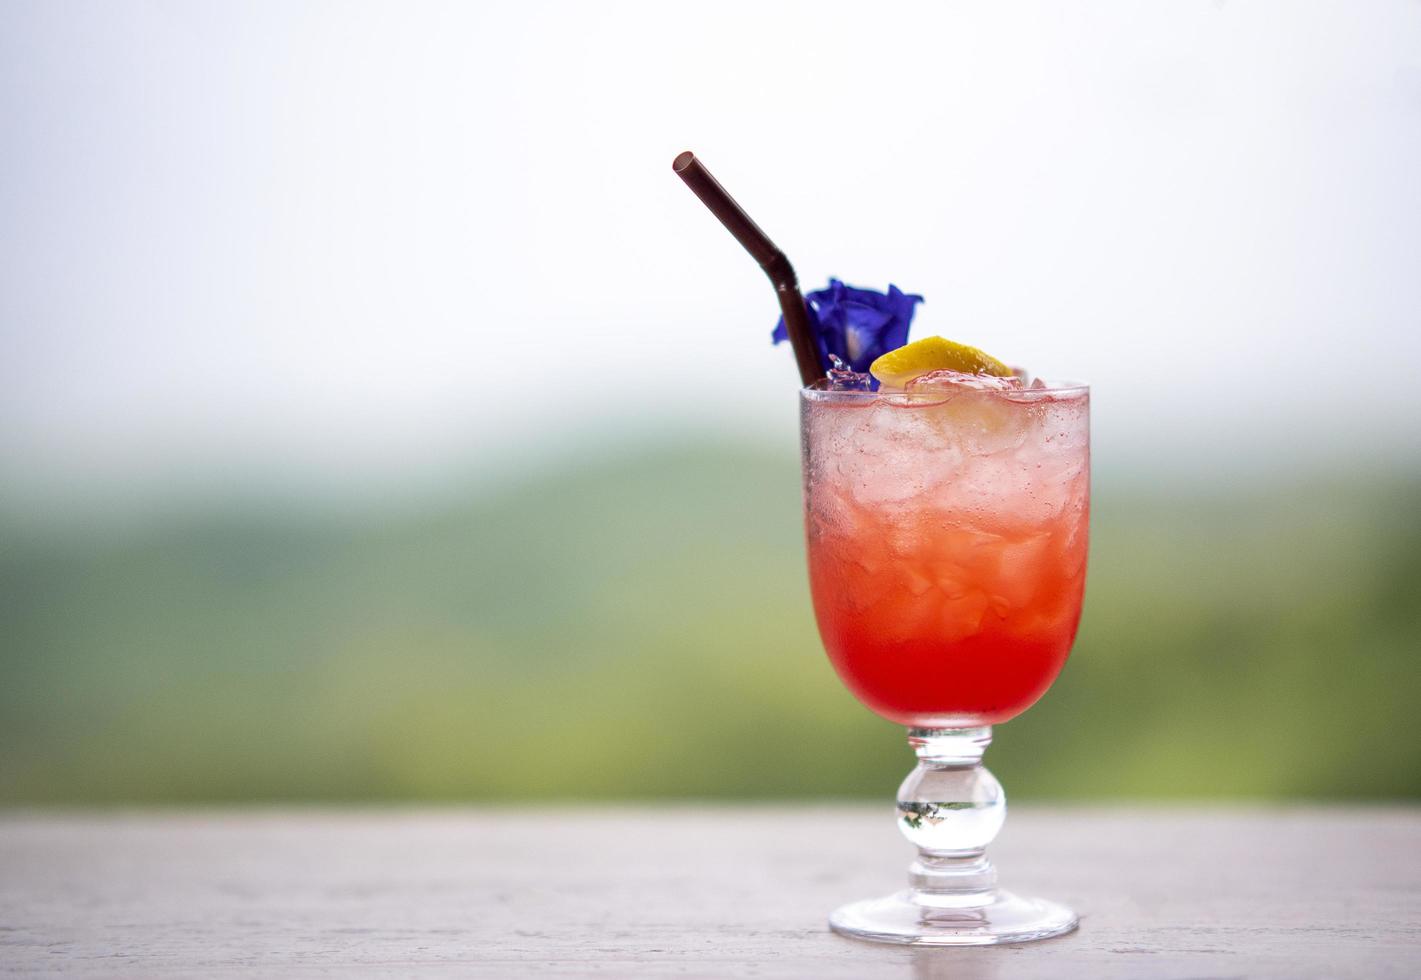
[[947, 536]]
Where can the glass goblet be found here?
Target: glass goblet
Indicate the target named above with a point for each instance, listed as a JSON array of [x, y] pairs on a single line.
[[947, 532]]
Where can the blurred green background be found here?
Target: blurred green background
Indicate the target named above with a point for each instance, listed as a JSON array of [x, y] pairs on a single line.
[[640, 627], [381, 419]]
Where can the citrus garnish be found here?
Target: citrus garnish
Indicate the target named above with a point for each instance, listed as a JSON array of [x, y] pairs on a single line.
[[896, 368]]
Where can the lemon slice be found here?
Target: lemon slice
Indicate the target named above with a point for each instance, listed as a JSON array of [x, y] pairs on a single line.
[[896, 368]]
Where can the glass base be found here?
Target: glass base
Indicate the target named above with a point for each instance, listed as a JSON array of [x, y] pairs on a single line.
[[1006, 919]]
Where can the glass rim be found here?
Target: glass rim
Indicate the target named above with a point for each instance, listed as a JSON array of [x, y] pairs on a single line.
[[1053, 389]]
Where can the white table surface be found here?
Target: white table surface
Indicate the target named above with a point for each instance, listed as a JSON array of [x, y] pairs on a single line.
[[552, 890]]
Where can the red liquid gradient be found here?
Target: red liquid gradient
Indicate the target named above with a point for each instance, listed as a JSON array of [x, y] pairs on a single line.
[[942, 613]]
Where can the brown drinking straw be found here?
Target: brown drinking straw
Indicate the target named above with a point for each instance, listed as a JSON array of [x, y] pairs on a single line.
[[771, 259]]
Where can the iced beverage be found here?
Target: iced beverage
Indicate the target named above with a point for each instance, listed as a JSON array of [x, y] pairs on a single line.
[[947, 528]]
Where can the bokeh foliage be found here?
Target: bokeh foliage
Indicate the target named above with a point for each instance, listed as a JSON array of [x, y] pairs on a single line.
[[640, 628]]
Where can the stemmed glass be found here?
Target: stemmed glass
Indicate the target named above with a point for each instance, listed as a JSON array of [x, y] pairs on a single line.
[[947, 529]]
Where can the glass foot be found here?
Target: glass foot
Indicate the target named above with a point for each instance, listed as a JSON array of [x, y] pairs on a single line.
[[1006, 919]]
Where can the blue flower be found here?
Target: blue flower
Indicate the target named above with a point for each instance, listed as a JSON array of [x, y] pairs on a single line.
[[857, 325]]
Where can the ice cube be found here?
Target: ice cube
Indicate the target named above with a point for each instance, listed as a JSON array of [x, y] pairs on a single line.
[[849, 380], [961, 618], [915, 580], [1041, 392], [1024, 563], [959, 379], [844, 378]]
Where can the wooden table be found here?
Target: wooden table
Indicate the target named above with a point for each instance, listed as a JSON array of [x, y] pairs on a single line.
[[691, 891]]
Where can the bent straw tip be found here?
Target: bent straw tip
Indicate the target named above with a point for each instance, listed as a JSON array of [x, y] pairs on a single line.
[[682, 161]]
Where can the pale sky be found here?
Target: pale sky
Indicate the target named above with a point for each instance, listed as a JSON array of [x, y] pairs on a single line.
[[356, 243]]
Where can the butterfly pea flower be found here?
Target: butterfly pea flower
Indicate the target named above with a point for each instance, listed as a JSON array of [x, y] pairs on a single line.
[[856, 325]]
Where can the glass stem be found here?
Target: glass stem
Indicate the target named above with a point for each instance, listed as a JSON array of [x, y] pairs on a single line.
[[951, 807]]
